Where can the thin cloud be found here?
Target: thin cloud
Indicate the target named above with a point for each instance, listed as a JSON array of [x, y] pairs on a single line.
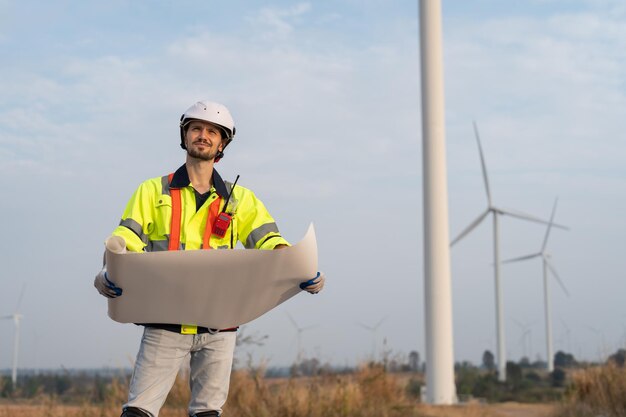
[[280, 22]]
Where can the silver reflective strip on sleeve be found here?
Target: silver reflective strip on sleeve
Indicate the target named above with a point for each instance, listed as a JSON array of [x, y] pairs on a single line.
[[135, 228], [165, 185], [259, 233], [158, 245], [161, 245]]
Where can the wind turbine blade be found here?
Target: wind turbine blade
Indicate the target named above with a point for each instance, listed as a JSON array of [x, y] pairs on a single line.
[[365, 326], [482, 164], [470, 227], [545, 239], [558, 278], [519, 324], [6, 317], [521, 258], [292, 321], [19, 300], [524, 216], [533, 323], [380, 322]]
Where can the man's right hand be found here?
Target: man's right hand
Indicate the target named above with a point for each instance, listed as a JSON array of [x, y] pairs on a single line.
[[106, 287]]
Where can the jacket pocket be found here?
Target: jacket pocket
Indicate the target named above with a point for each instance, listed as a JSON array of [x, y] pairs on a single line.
[[163, 215]]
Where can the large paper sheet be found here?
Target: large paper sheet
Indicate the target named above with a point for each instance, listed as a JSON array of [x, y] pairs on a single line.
[[218, 289]]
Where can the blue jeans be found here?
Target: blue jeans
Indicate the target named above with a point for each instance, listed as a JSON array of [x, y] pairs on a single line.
[[161, 355]]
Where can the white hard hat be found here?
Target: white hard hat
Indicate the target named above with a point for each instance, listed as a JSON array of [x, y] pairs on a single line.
[[211, 112]]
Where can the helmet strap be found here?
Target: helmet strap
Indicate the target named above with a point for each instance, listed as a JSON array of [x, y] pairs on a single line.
[[182, 132]]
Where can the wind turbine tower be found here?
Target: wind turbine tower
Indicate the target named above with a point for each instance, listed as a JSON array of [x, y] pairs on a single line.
[[374, 330], [440, 388], [299, 331], [545, 257], [496, 211], [567, 339], [526, 338], [16, 317]]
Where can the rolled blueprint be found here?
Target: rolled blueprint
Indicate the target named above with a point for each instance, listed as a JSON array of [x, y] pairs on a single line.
[[218, 289]]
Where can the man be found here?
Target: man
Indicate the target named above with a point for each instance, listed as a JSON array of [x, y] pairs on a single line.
[[191, 209]]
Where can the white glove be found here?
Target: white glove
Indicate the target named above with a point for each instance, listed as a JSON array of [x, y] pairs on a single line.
[[314, 285], [106, 287]]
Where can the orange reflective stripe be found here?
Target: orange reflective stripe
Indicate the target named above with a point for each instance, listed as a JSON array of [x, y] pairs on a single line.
[[214, 211], [176, 214]]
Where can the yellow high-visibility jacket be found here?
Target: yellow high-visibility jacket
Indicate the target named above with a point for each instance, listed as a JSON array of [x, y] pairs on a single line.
[[146, 222]]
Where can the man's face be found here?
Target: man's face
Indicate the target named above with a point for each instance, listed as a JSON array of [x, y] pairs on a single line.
[[203, 140]]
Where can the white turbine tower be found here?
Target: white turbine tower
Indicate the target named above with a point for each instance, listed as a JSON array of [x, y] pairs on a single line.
[[545, 256], [16, 317], [299, 331], [496, 211], [374, 330], [440, 388]]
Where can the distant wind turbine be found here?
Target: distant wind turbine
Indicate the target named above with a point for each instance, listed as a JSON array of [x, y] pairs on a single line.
[[16, 317], [604, 349], [491, 209], [545, 256], [567, 338], [526, 339], [374, 330], [299, 331]]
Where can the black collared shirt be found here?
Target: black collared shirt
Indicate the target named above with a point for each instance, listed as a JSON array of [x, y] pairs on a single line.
[[181, 180]]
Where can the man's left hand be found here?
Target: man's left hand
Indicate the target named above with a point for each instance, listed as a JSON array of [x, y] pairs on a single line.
[[314, 285]]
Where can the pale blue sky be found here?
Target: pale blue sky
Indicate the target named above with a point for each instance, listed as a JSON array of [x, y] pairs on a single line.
[[325, 96]]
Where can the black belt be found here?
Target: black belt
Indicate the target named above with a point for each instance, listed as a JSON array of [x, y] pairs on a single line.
[[176, 328]]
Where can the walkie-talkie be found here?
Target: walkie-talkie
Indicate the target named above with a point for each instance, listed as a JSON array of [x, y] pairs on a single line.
[[223, 219]]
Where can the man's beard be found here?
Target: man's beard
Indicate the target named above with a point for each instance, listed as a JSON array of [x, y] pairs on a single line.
[[203, 156]]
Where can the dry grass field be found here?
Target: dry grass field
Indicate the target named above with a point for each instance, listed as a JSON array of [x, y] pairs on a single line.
[[470, 410], [370, 392]]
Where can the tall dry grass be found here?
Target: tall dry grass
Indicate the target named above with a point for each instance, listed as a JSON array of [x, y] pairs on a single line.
[[598, 391], [369, 392]]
